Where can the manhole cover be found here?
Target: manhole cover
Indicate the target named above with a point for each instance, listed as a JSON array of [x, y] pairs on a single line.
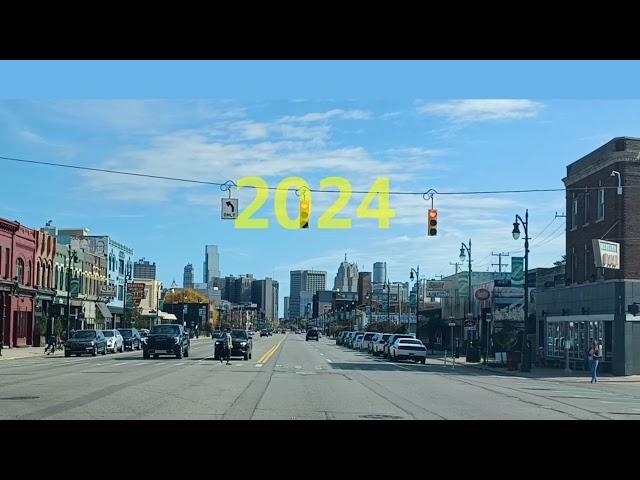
[[25, 397], [381, 417]]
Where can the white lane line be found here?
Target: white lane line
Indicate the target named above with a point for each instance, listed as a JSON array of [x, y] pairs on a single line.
[[329, 360], [318, 367], [99, 364], [123, 363], [182, 363], [322, 354], [141, 363], [298, 366], [260, 365]]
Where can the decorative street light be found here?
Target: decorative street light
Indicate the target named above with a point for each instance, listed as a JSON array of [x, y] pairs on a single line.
[[73, 257], [387, 286], [525, 366], [463, 247], [417, 272]]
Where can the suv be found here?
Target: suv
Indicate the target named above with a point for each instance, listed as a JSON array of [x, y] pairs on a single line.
[[86, 341], [312, 335], [241, 345], [131, 338], [167, 339]]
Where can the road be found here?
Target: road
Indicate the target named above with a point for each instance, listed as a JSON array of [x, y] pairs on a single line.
[[289, 378]]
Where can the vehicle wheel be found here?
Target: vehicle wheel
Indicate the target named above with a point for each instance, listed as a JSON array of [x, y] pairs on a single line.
[[179, 354], [67, 354], [145, 355], [104, 350], [95, 351], [423, 361], [186, 353], [156, 356], [246, 356], [122, 348], [250, 355]]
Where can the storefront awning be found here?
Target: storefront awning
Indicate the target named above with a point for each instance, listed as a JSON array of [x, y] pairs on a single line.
[[104, 311], [168, 316], [605, 317]]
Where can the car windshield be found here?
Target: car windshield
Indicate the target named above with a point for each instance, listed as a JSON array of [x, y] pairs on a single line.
[[108, 333], [241, 334], [126, 333], [165, 330], [412, 342], [369, 336], [85, 334], [385, 336]]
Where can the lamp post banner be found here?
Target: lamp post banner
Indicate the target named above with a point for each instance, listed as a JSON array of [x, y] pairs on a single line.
[[517, 271]]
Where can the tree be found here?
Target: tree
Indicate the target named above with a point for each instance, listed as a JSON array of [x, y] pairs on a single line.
[[561, 262], [134, 315], [185, 295]]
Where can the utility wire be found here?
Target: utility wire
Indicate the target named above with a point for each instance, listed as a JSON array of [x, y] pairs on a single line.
[[203, 182]]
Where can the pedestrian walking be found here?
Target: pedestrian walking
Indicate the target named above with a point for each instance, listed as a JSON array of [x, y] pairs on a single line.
[[594, 359], [51, 345]]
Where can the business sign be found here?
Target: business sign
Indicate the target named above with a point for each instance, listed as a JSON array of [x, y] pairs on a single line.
[[95, 245], [229, 209], [463, 286], [433, 285], [517, 271], [606, 254], [482, 294], [74, 287], [508, 292], [437, 293], [107, 291]]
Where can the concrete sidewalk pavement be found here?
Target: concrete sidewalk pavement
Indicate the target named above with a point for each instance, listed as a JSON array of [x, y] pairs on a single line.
[[539, 373], [25, 352]]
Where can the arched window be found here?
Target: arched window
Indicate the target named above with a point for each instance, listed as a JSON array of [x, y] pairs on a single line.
[[28, 274], [38, 277], [55, 277], [20, 270], [48, 275]]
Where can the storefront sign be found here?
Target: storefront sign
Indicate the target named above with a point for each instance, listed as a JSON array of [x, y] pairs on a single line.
[[606, 254]]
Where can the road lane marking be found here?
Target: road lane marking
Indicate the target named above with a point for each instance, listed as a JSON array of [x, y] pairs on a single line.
[[265, 358], [260, 365], [298, 366], [123, 363], [329, 360]]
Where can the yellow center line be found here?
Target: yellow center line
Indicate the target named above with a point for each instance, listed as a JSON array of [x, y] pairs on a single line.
[[265, 358]]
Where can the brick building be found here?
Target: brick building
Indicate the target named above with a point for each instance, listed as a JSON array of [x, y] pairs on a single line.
[[594, 301]]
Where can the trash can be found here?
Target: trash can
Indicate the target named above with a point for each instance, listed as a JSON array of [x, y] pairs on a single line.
[[473, 355], [513, 359]]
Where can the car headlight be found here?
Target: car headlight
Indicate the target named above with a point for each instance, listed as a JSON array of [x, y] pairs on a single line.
[[243, 344], [177, 339], [93, 343]]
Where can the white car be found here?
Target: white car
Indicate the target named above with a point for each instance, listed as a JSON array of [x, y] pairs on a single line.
[[408, 349], [377, 347], [366, 340], [115, 342], [357, 343]]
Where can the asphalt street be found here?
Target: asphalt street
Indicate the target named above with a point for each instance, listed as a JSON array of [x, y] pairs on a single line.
[[289, 378]]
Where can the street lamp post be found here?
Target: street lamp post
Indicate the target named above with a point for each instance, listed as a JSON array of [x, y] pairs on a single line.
[[464, 247], [73, 257], [158, 305], [525, 367], [417, 272], [127, 276]]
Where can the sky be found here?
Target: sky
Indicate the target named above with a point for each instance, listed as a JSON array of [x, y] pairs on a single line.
[[457, 131]]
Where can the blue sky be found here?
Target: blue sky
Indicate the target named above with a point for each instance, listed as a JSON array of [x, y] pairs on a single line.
[[466, 126]]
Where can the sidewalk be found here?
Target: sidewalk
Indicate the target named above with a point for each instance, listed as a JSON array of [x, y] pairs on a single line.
[[26, 352], [539, 373]]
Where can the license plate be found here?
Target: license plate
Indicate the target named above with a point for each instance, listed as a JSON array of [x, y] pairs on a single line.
[[169, 351], [412, 354]]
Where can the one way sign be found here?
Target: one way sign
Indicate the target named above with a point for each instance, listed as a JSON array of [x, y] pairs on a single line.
[[229, 208]]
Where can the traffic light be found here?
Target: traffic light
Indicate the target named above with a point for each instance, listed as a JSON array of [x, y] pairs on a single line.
[[634, 309], [304, 213], [432, 227]]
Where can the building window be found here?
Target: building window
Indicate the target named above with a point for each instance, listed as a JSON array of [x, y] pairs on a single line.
[[120, 289], [586, 264], [7, 269], [573, 265], [601, 203], [121, 267], [574, 213], [28, 273], [587, 200], [20, 270]]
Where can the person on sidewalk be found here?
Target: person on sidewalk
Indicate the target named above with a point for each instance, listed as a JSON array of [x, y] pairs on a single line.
[[51, 345], [594, 358]]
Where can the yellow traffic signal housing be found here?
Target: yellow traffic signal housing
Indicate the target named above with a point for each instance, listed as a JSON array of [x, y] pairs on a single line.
[[432, 222], [305, 211]]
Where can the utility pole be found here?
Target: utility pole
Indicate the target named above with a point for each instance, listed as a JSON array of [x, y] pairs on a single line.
[[457, 265], [499, 264]]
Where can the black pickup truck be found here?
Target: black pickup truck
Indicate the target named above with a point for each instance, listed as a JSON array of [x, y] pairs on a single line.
[[168, 339]]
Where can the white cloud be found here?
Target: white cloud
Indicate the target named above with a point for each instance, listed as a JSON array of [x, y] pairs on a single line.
[[339, 113], [482, 109]]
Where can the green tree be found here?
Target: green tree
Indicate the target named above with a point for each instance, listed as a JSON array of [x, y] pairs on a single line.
[[134, 315]]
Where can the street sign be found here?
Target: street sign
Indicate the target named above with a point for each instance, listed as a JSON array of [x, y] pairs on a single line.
[[606, 254], [489, 317], [437, 293], [452, 324], [229, 210], [482, 294]]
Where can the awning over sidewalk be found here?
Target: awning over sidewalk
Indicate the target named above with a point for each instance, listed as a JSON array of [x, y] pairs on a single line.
[[104, 310], [168, 316]]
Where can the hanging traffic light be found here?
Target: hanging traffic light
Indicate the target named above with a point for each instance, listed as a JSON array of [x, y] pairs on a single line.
[[304, 213], [432, 227]]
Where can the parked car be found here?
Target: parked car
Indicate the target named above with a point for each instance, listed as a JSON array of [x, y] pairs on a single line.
[[86, 341], [264, 333], [366, 340], [216, 334], [242, 345], [312, 335], [390, 340], [131, 338], [347, 338], [166, 339], [357, 343], [408, 349], [115, 342], [353, 338], [378, 345]]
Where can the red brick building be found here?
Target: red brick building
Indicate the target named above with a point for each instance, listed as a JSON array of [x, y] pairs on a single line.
[[17, 278]]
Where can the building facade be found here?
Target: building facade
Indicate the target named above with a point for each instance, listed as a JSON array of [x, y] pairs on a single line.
[[594, 302], [45, 257], [347, 278], [187, 278], [304, 283], [364, 287], [211, 266], [379, 272], [144, 270]]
